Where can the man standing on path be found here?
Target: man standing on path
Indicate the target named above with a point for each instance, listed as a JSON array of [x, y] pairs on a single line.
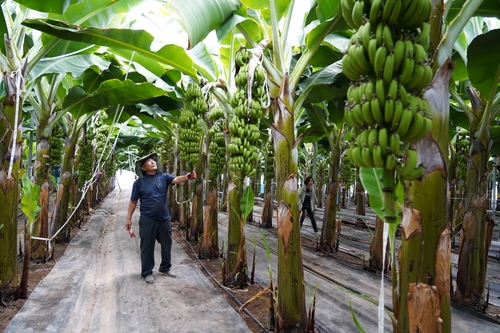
[[154, 222]]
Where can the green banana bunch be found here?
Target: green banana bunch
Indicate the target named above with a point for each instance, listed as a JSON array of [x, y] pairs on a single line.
[[216, 113], [190, 134], [195, 99], [249, 107], [103, 145], [85, 163], [217, 150], [193, 91], [242, 57], [388, 63], [56, 142]]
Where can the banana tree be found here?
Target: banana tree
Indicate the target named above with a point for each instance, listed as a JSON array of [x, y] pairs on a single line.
[[327, 121], [484, 74], [283, 80], [425, 220], [50, 85], [22, 68]]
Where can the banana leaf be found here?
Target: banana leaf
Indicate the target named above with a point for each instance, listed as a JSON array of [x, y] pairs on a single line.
[[199, 17], [483, 56], [123, 42], [30, 194], [247, 202]]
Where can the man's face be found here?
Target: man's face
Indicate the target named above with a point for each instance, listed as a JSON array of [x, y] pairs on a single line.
[[149, 166]]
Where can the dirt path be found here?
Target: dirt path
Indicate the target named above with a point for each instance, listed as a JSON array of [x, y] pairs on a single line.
[[97, 287]]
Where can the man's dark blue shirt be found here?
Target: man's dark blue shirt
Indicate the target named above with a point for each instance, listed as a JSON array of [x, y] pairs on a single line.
[[152, 191]]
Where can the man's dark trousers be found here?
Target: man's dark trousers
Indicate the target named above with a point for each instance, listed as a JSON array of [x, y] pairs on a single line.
[[150, 231]]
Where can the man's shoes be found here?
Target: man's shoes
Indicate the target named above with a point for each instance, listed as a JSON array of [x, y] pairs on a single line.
[[149, 279], [168, 273]]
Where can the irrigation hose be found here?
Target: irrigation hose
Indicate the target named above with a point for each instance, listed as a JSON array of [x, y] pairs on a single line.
[[223, 287]]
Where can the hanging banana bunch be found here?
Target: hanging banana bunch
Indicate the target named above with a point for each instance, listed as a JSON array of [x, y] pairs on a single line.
[[103, 145], [249, 102], [387, 60], [56, 144], [217, 151], [217, 148], [269, 167], [86, 161], [190, 130]]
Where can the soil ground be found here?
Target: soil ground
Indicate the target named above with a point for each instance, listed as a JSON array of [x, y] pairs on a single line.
[[37, 272]]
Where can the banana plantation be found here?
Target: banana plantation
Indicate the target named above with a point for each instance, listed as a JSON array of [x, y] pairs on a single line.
[[393, 104]]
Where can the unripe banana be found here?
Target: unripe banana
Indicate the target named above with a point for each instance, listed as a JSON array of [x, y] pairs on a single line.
[[378, 33], [383, 140], [411, 163], [369, 90], [366, 154], [347, 13], [408, 12], [372, 137], [392, 91], [390, 162], [378, 159], [396, 10], [361, 92], [388, 73], [376, 111], [419, 54], [348, 69], [388, 110], [362, 139], [398, 113], [367, 113], [415, 174], [372, 49], [387, 37], [380, 58], [357, 158], [375, 11], [380, 91], [386, 10], [426, 127], [403, 95], [360, 58], [357, 13], [394, 143], [414, 103], [416, 81], [357, 114], [405, 122], [407, 70], [364, 34], [416, 126], [408, 48], [399, 53], [428, 76]]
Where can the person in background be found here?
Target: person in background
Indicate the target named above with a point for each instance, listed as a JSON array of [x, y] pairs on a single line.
[[57, 172], [154, 223], [307, 202]]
